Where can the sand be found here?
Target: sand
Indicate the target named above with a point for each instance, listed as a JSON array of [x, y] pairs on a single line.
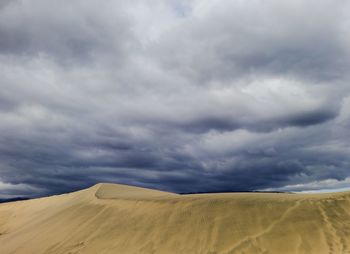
[[108, 218]]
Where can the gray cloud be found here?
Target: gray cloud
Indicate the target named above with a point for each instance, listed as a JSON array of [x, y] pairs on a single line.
[[186, 96]]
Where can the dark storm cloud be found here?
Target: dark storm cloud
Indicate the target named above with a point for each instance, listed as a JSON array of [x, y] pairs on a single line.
[[68, 31], [277, 38], [227, 123], [186, 96], [311, 118]]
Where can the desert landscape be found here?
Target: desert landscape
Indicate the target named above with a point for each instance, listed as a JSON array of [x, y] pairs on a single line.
[[112, 218], [174, 127]]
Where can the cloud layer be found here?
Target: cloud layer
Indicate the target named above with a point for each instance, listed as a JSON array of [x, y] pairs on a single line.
[[183, 96]]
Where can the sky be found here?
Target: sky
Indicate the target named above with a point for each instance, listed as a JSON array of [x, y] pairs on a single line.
[[182, 96]]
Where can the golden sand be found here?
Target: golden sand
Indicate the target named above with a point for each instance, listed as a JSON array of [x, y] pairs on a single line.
[[110, 218]]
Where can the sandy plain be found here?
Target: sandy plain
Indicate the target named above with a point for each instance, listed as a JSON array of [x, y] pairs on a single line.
[[112, 218]]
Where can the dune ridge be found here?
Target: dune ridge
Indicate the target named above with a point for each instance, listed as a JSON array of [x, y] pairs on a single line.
[[112, 218]]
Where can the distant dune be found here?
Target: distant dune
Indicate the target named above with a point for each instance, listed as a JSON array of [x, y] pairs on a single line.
[[110, 218]]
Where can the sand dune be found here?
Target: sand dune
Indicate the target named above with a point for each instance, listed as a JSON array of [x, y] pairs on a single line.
[[109, 218]]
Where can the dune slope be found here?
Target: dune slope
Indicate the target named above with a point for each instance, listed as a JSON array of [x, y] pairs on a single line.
[[108, 218]]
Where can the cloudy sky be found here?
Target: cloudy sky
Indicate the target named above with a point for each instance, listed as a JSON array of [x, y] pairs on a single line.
[[184, 96]]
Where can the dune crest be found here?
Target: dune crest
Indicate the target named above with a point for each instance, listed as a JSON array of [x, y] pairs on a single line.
[[108, 218], [119, 191]]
